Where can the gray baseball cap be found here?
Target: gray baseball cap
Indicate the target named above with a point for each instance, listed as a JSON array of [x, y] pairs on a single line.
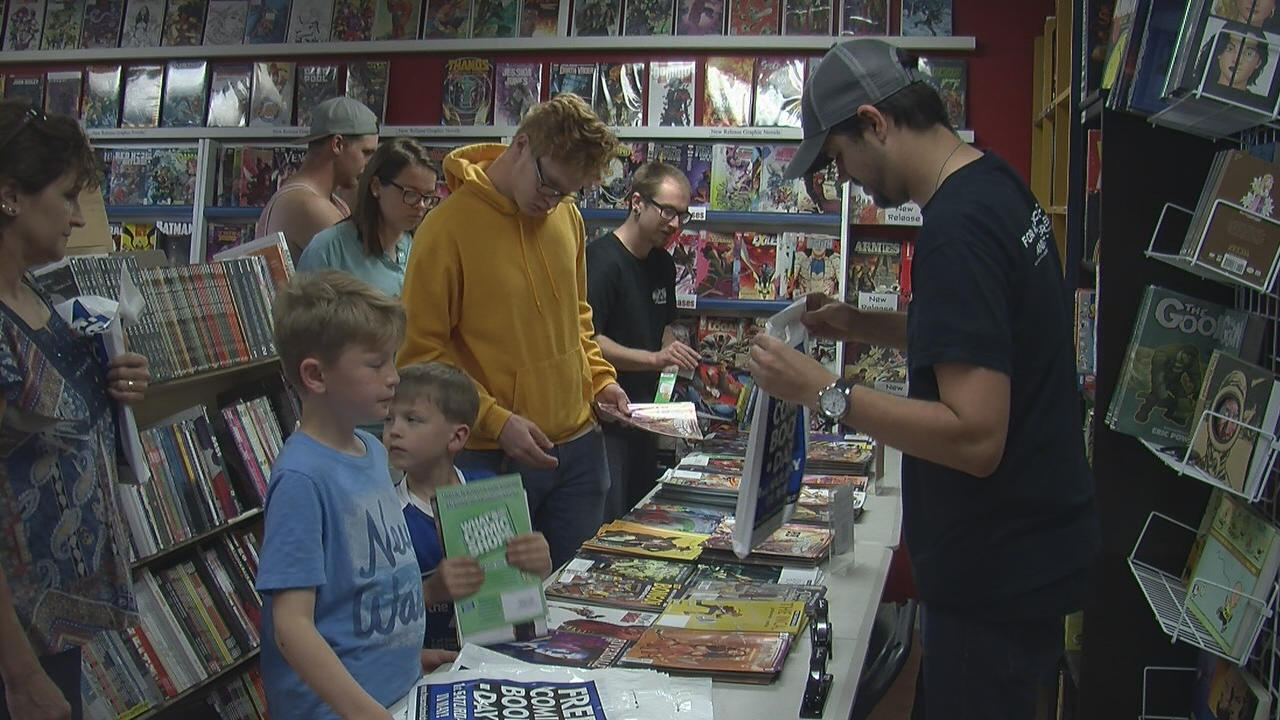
[[341, 116], [852, 74]]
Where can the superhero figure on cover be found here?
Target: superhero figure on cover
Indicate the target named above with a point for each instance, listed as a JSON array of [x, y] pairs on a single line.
[[519, 101], [23, 29], [677, 106], [401, 11], [1175, 381]]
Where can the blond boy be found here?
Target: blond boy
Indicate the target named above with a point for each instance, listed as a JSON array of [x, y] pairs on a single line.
[[343, 615]]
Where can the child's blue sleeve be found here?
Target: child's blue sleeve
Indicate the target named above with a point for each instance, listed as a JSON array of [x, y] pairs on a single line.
[[292, 554]]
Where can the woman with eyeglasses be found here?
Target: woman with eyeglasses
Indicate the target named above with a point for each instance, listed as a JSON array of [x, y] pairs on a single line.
[[397, 189], [64, 570]]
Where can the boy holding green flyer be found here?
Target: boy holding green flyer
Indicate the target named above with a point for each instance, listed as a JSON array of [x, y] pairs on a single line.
[[428, 423]]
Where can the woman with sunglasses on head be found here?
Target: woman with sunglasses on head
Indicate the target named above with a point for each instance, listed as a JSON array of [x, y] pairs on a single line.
[[397, 189], [62, 544]]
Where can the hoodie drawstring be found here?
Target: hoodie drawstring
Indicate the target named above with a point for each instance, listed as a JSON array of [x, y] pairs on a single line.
[[524, 261]]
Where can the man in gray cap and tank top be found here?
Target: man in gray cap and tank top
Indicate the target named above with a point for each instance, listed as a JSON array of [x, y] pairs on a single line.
[[344, 134]]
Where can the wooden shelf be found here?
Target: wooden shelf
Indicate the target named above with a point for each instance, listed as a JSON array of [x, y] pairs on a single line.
[[237, 521], [471, 46], [188, 381], [239, 664]]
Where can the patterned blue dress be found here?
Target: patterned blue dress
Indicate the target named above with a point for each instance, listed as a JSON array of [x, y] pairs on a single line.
[[62, 541]]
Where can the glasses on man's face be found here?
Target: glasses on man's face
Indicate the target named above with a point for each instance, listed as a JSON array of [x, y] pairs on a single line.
[[413, 198], [669, 213], [551, 191], [27, 117]]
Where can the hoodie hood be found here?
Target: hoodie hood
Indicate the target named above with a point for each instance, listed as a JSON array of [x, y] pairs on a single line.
[[466, 166], [464, 171]]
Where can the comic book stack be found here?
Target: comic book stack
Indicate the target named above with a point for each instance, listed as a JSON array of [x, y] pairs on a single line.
[[660, 587]]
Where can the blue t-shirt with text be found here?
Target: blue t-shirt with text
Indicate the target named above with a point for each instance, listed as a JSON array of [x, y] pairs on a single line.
[[333, 523]]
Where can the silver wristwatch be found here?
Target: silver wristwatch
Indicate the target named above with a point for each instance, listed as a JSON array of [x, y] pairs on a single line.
[[833, 401]]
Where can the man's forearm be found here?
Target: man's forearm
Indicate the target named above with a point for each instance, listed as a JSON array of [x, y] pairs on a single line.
[[929, 430], [625, 358], [885, 329], [316, 665]]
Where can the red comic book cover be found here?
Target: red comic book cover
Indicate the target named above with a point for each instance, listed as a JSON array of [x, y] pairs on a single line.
[[717, 268], [757, 258], [684, 247], [755, 17]]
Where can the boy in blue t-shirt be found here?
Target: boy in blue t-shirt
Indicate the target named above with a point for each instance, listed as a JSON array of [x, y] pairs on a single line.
[[343, 614], [430, 420]]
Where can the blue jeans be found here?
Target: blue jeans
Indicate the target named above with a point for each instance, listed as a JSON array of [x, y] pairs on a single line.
[[983, 670], [566, 502]]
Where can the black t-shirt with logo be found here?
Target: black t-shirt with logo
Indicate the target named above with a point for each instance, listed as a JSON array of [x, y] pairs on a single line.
[[987, 290], [632, 300]]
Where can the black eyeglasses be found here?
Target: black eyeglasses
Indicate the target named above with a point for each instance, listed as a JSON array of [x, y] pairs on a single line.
[[669, 213], [31, 114], [549, 190], [413, 198]]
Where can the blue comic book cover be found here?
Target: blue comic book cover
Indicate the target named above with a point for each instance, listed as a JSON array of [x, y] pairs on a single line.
[[773, 471]]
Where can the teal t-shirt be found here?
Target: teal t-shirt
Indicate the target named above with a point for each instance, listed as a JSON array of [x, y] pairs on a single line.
[[338, 247]]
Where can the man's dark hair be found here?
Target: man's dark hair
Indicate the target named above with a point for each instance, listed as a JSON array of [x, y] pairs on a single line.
[[914, 107]]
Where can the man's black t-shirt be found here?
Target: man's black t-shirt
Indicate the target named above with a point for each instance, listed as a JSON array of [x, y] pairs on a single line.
[[632, 301], [987, 290]]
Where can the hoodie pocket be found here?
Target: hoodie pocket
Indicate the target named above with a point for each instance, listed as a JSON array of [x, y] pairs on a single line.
[[552, 393]]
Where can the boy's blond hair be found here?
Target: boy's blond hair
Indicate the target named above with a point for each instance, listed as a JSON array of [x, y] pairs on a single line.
[[568, 131], [445, 386], [320, 314]]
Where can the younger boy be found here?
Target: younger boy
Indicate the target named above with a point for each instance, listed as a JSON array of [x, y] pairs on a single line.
[[430, 420], [342, 616]]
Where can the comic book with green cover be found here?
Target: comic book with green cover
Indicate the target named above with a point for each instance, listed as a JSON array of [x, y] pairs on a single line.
[[476, 520], [1173, 337]]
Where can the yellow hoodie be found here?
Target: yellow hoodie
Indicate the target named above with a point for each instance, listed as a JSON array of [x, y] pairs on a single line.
[[503, 296]]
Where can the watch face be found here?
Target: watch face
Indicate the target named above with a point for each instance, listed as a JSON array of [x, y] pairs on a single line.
[[833, 403]]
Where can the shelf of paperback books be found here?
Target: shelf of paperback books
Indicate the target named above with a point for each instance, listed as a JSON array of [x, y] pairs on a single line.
[[240, 665], [472, 46], [1171, 243], [1210, 451], [1181, 613], [241, 519]]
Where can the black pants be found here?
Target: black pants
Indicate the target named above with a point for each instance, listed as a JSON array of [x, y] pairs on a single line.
[[64, 669], [983, 670]]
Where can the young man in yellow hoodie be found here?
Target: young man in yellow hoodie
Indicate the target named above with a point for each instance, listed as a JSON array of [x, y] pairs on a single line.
[[496, 285]]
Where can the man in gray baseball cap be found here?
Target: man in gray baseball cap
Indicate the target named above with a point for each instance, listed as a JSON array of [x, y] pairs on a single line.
[[342, 137], [998, 500]]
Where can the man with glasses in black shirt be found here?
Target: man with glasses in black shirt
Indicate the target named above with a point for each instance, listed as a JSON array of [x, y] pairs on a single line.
[[631, 289]]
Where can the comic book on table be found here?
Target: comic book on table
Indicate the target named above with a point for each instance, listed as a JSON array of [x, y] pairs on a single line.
[[476, 520]]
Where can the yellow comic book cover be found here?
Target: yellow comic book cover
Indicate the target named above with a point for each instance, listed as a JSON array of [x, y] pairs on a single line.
[[735, 615], [631, 538]]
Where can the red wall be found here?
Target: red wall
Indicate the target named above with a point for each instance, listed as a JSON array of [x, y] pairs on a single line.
[[1000, 73]]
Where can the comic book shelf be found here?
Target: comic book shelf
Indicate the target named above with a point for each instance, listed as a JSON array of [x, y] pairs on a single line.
[[1137, 643], [163, 400]]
